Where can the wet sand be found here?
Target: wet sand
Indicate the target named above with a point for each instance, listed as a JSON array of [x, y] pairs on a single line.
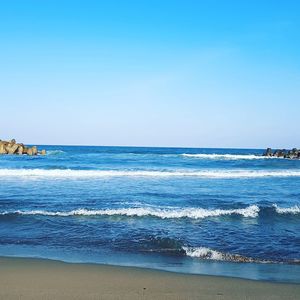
[[22, 278]]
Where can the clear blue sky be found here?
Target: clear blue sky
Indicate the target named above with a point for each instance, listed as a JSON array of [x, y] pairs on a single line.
[[151, 73]]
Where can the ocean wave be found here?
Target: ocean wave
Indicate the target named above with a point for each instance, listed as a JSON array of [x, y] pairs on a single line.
[[168, 212], [69, 173], [225, 156], [287, 210], [192, 213], [210, 254], [55, 152]]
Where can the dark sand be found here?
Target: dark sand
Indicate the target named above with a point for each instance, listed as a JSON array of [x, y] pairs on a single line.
[[22, 278]]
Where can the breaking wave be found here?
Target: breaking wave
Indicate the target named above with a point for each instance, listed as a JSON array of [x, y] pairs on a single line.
[[69, 173], [251, 211], [225, 156], [210, 254], [287, 210], [192, 213]]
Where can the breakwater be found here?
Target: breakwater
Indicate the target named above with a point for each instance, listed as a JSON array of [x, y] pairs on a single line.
[[12, 147]]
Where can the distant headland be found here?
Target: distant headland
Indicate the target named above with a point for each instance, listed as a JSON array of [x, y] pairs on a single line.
[[291, 154], [12, 147]]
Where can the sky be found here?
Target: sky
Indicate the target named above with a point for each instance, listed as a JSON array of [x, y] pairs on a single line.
[[151, 73]]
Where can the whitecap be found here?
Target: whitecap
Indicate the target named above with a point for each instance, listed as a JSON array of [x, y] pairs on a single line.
[[192, 213], [287, 210], [225, 156]]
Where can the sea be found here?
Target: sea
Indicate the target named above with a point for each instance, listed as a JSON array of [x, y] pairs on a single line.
[[226, 212]]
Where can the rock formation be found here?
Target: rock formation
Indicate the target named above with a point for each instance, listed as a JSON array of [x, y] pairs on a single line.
[[291, 154], [12, 147]]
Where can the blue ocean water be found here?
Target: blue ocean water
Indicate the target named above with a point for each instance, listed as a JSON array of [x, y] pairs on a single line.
[[224, 212]]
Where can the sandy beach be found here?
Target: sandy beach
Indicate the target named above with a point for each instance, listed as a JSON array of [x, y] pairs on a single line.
[[23, 278]]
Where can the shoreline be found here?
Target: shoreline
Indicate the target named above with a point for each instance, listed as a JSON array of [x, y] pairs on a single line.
[[35, 278], [156, 269]]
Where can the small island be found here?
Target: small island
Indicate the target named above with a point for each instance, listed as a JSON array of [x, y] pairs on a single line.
[[12, 147], [290, 154]]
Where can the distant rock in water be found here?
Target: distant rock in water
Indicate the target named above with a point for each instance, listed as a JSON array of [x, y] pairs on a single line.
[[291, 154], [12, 147]]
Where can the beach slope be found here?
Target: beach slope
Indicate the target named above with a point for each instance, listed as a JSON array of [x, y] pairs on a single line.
[[23, 278]]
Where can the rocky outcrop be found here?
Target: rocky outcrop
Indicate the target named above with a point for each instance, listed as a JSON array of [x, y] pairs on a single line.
[[268, 152], [12, 147], [291, 154]]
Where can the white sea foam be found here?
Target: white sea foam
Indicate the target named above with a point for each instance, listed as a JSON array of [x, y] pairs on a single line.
[[210, 254], [68, 173], [224, 156], [203, 252], [192, 213], [287, 210]]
